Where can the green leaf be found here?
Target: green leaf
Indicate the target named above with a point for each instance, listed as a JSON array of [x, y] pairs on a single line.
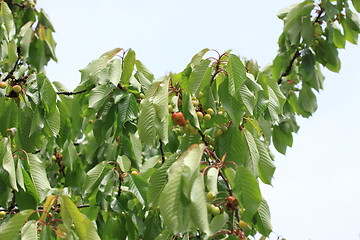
[[307, 30], [266, 165], [29, 185], [11, 229], [308, 71], [233, 144], [19, 176], [281, 139], [189, 110], [338, 38], [70, 155], [248, 98], [165, 235], [182, 201], [29, 231], [353, 20], [330, 10], [12, 52], [154, 113], [198, 208], [294, 32], [197, 76], [52, 120], [47, 93], [302, 9], [145, 72], [98, 96], [253, 159], [237, 74], [274, 105], [93, 177], [115, 71], [27, 140], [8, 162], [128, 67], [356, 4], [247, 191], [263, 222], [26, 33], [196, 59], [138, 186], [8, 20], [307, 99], [150, 163], [188, 140], [45, 20], [70, 214], [89, 75], [279, 64], [39, 177], [218, 222], [231, 104], [124, 163], [158, 181], [276, 98], [350, 34], [128, 109], [212, 180]]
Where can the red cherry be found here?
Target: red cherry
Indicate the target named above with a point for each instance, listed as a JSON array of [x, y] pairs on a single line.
[[181, 122], [177, 116]]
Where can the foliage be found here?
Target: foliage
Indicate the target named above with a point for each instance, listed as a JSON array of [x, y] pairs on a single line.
[[128, 156]]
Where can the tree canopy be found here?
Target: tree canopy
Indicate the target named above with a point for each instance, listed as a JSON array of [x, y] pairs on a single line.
[[126, 155]]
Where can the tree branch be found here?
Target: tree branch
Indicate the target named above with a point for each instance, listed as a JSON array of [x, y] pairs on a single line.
[[71, 93], [288, 69], [10, 74], [162, 151], [297, 53], [15, 209]]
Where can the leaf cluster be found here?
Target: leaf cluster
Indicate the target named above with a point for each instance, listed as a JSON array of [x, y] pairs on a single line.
[[126, 155]]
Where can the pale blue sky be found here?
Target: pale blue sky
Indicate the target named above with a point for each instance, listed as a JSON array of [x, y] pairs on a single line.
[[316, 190]]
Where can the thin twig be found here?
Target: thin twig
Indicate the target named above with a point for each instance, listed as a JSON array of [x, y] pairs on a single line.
[[10, 74], [71, 93]]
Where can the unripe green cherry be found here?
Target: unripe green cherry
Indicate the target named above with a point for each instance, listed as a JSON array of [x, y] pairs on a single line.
[[210, 111], [200, 115], [200, 95], [207, 117], [141, 95], [224, 128], [215, 210], [3, 84], [170, 108], [16, 88], [2, 214], [218, 133], [210, 196], [243, 224], [195, 103], [208, 206]]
